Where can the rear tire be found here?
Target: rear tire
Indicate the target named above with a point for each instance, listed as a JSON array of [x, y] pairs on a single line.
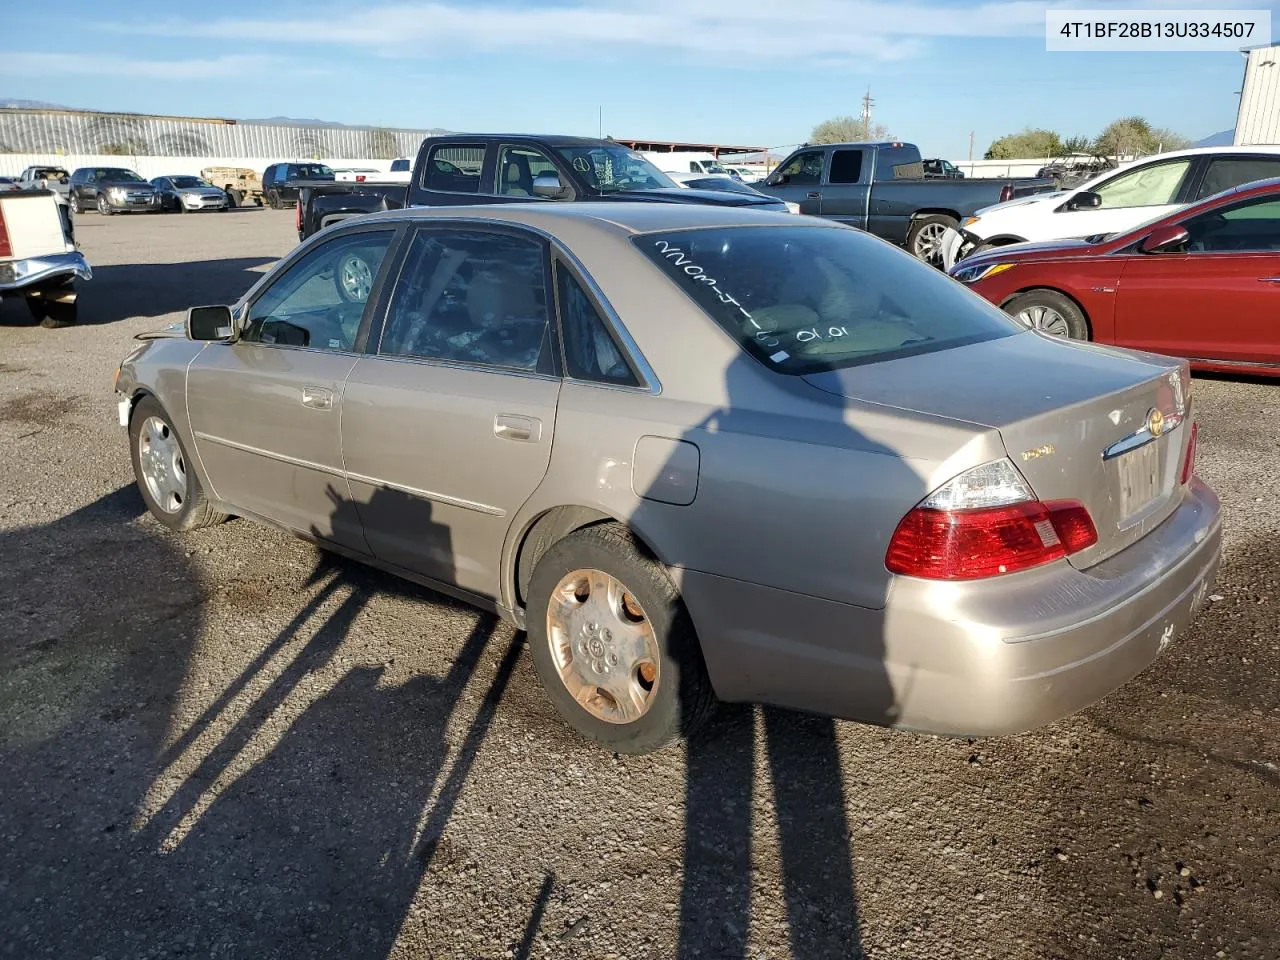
[[75, 203], [52, 314], [257, 201], [273, 200], [1049, 312], [924, 238], [165, 474], [592, 594]]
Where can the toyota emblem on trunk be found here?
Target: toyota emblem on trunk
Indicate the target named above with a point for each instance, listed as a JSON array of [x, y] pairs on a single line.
[[1155, 422]]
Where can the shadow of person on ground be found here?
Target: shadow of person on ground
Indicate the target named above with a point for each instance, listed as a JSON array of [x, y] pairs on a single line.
[[120, 291]]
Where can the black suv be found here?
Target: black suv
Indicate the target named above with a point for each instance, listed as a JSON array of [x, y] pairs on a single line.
[[276, 176], [111, 190]]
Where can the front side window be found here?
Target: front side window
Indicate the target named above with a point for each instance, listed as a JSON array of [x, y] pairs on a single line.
[[319, 301], [1251, 227], [804, 299], [1233, 171], [614, 169], [804, 169], [590, 351], [455, 168], [1153, 186], [471, 297], [518, 167]]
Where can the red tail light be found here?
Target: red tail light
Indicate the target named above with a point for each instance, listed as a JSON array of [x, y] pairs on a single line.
[[988, 541], [359, 178], [297, 215], [6, 248], [1006, 193], [1189, 463]]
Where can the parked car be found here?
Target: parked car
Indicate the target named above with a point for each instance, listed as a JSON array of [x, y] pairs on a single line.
[[1116, 200], [1070, 172], [466, 169], [276, 186], [1202, 283], [45, 178], [946, 169], [719, 181], [111, 190], [881, 187], [9, 183], [357, 174], [743, 173], [38, 257], [685, 161], [500, 402], [241, 184], [187, 194]]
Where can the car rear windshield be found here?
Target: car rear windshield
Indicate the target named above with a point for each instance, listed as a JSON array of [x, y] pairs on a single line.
[[803, 299]]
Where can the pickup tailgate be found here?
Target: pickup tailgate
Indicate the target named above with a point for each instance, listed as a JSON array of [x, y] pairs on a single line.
[[32, 225]]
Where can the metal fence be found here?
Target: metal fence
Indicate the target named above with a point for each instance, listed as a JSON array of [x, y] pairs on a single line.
[[120, 134]]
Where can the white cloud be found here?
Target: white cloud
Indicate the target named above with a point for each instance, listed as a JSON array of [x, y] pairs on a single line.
[[107, 65], [750, 32]]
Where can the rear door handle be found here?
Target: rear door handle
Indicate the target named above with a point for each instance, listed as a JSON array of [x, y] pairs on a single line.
[[317, 398], [509, 426]]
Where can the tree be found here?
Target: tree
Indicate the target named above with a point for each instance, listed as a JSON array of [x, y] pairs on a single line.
[[1134, 136], [1028, 145], [848, 130]]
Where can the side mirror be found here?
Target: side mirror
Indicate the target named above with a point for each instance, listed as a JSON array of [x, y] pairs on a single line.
[[1088, 200], [210, 323], [548, 185], [1167, 239]]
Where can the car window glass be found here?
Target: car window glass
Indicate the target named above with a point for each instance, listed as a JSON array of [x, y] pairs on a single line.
[[472, 297], [846, 166], [1231, 172], [455, 168], [1250, 227], [804, 299], [1150, 186], [590, 351], [804, 169], [319, 301], [517, 168]]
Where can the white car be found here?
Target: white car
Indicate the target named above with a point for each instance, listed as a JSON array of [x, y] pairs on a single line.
[[357, 174], [1115, 200]]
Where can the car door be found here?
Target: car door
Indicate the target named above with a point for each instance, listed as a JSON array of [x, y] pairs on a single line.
[[799, 180], [1218, 300], [844, 197], [1129, 198], [266, 409], [164, 187], [447, 424]]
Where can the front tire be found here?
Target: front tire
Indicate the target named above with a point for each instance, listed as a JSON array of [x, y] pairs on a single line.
[[164, 472], [613, 644], [273, 200], [924, 239], [75, 203], [104, 206], [1049, 312]]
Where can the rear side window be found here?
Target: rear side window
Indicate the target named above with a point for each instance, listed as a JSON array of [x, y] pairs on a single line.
[[590, 351], [1233, 171], [846, 166], [455, 168], [805, 299], [897, 163]]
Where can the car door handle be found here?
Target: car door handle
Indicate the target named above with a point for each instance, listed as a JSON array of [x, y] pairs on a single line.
[[508, 426], [813, 196], [1269, 279], [318, 398]]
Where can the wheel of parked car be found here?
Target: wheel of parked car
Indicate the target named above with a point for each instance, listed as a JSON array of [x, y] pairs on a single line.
[[51, 313], [233, 198], [75, 202], [1049, 312], [354, 277], [104, 207], [257, 201], [613, 644], [169, 485], [925, 237], [273, 199]]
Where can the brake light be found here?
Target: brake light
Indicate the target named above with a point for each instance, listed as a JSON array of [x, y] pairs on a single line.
[[1006, 193], [985, 523], [6, 248], [297, 214], [1189, 462], [359, 178]]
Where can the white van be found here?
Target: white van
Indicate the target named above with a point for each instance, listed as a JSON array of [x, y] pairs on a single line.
[[685, 161], [1114, 201]]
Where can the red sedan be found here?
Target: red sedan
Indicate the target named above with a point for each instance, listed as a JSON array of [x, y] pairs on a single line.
[[1202, 283]]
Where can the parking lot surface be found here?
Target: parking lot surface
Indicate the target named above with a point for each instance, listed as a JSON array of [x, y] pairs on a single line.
[[228, 744]]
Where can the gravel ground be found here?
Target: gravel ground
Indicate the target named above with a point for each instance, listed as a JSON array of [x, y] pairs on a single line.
[[226, 744]]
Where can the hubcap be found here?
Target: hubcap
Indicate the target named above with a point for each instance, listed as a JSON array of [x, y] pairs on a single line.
[[929, 243], [161, 464], [102, 204], [603, 646], [356, 278], [1046, 320]]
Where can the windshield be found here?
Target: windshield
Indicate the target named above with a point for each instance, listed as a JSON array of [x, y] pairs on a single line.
[[312, 170], [614, 169], [190, 182], [804, 299], [115, 173], [727, 184], [710, 166]]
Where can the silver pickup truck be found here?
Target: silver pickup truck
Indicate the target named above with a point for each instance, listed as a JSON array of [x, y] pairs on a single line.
[[38, 256], [45, 178]]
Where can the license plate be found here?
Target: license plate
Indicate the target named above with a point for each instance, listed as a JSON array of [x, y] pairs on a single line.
[[1139, 478]]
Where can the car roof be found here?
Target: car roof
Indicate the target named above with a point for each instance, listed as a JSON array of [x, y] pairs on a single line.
[[556, 140], [627, 217]]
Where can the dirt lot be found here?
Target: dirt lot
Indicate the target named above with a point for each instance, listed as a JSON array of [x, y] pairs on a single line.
[[226, 744]]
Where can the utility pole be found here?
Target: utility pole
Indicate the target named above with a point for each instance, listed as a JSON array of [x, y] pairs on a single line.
[[867, 104], [600, 122], [970, 146]]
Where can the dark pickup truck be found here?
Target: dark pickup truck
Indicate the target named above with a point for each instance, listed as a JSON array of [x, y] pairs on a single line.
[[493, 168], [882, 188]]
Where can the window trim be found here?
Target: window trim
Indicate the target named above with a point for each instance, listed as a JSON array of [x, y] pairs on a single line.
[[378, 325], [242, 311], [485, 165]]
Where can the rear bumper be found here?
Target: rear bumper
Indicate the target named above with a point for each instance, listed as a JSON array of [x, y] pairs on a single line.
[[965, 659], [18, 275]]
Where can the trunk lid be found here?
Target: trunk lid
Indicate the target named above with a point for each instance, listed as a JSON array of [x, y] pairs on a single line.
[[1075, 419]]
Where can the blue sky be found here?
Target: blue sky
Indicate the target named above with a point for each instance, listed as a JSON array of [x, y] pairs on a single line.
[[742, 71]]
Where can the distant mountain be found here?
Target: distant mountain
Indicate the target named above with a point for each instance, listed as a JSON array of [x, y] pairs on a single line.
[[1224, 139], [295, 122], [10, 104]]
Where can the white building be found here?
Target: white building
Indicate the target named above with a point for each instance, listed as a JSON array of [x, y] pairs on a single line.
[[1259, 118]]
